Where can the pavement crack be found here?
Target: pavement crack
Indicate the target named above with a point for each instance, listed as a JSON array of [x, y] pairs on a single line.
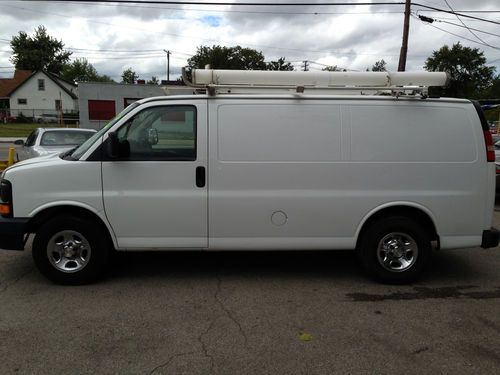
[[227, 311], [15, 281], [167, 363], [200, 338], [204, 347]]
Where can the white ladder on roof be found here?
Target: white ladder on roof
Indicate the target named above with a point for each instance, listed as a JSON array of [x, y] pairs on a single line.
[[265, 81]]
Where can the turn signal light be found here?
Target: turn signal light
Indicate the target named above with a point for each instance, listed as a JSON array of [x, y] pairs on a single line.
[[5, 209]]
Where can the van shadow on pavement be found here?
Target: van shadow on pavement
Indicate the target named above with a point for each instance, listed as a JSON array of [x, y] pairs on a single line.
[[445, 267]]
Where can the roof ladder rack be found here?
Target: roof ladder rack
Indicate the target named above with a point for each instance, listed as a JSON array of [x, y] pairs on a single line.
[[265, 81]]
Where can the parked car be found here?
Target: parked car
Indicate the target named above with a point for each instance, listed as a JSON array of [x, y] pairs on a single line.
[[44, 141], [7, 118], [46, 118]]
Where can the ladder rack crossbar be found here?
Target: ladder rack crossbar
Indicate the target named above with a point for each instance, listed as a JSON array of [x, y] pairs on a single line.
[[311, 87]]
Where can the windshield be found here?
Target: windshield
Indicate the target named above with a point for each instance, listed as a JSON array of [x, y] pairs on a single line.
[[65, 137], [77, 154]]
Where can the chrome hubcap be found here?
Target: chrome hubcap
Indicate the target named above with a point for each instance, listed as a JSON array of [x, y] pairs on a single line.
[[68, 251], [397, 252]]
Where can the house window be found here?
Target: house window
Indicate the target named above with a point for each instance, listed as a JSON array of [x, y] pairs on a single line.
[[22, 101], [101, 110], [41, 85], [58, 105]]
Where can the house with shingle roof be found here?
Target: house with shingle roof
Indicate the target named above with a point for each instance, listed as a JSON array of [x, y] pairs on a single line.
[[9, 84], [31, 94]]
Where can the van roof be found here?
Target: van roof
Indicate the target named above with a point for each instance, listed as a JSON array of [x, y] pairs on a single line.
[[305, 97]]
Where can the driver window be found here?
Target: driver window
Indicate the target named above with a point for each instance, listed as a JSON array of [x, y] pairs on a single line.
[[161, 133]]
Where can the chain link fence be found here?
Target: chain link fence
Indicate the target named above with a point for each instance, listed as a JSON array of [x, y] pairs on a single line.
[[40, 116]]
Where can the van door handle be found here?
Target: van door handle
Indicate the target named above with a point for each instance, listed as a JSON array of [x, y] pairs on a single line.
[[200, 177]]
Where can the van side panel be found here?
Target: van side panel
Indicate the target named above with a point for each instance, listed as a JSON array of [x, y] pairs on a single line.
[[429, 153], [273, 170], [306, 173]]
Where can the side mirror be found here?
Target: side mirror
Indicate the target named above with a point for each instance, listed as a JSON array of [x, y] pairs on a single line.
[[19, 142], [152, 136], [116, 149]]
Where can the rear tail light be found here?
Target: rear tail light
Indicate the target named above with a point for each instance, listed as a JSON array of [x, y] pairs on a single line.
[[490, 147]]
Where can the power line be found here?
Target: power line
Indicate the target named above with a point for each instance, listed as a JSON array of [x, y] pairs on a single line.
[[218, 3], [467, 27], [112, 50], [116, 51], [315, 13], [457, 25], [461, 36], [464, 11], [456, 13]]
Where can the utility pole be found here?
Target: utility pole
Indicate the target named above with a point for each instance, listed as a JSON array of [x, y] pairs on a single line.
[[168, 63], [305, 65], [404, 46]]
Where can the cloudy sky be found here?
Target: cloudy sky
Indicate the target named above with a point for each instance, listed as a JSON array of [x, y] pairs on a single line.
[[114, 37]]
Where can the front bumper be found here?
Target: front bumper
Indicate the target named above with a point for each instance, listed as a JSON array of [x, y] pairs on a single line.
[[491, 238], [12, 233]]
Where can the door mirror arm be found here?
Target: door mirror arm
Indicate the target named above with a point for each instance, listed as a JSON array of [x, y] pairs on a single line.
[[116, 149]]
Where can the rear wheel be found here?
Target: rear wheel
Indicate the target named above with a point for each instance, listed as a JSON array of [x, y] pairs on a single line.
[[395, 250], [70, 250]]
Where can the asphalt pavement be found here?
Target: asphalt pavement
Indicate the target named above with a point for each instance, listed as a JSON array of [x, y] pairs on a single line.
[[252, 313]]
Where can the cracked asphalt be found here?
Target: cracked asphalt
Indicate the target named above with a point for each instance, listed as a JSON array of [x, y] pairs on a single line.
[[252, 313]]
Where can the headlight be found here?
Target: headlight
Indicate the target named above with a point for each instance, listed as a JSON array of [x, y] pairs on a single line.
[[6, 198], [5, 191]]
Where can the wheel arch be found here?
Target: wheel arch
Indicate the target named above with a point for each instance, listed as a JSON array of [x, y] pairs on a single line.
[[45, 213], [419, 213]]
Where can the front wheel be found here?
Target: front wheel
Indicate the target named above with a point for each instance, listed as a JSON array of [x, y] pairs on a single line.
[[395, 250], [70, 250]]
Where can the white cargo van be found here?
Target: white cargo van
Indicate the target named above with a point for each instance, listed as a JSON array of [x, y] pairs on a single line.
[[289, 165]]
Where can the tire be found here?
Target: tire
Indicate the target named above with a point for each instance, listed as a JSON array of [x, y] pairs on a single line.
[[395, 250], [70, 250]]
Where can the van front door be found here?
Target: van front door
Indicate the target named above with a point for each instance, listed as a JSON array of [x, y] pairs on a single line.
[[157, 196]]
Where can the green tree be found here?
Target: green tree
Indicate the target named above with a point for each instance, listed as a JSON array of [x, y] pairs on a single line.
[[153, 81], [219, 57], [469, 76], [38, 52], [379, 66], [281, 64], [104, 79], [493, 91], [79, 70], [129, 76], [333, 68]]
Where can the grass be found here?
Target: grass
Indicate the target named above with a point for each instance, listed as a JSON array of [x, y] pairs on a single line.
[[22, 130]]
